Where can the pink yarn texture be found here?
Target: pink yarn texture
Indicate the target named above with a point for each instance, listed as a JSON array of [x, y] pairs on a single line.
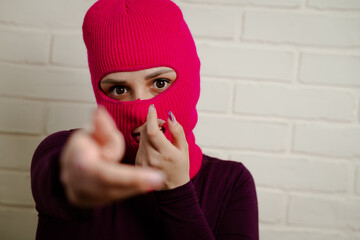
[[129, 35]]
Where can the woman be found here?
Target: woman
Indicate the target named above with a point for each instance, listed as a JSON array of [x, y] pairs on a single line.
[[133, 175]]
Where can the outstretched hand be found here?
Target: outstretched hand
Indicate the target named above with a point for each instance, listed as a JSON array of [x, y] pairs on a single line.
[[90, 168]]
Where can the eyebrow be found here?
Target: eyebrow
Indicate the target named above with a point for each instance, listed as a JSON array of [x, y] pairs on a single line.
[[113, 81], [157, 73], [150, 76]]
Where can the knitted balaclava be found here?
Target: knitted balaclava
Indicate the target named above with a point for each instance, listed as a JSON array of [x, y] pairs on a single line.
[[130, 35]]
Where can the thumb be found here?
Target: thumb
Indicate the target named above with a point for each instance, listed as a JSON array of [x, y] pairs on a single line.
[[107, 135], [177, 132]]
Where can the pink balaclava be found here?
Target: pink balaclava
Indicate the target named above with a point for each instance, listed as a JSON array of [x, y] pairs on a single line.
[[130, 35]]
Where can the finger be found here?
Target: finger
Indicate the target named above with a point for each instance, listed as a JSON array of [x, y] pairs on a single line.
[[177, 132], [160, 124], [121, 175], [108, 136], [155, 137]]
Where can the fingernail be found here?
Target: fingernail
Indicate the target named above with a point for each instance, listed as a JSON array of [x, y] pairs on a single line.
[[171, 116], [151, 107]]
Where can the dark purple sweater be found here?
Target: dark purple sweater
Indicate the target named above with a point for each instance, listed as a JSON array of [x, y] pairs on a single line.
[[218, 203]]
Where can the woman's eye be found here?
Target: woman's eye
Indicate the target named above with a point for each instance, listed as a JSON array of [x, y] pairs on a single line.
[[118, 90], [161, 83]]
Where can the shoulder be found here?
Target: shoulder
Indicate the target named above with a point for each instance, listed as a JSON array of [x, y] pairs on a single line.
[[225, 168], [232, 174], [53, 141]]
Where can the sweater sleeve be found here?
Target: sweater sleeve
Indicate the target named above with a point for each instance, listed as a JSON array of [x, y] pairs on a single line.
[[182, 215], [47, 190]]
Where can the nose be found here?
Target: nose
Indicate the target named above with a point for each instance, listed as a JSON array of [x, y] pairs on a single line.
[[142, 94]]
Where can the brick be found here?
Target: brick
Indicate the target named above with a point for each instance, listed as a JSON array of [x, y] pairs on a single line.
[[45, 83], [64, 116], [305, 29], [66, 13], [24, 46], [16, 151], [225, 132], [69, 49], [21, 116], [289, 233], [219, 1], [272, 206], [211, 22], [284, 101], [335, 4], [339, 70], [233, 61], [324, 211], [280, 3], [353, 235], [336, 141], [17, 223], [208, 102], [295, 173], [15, 188]]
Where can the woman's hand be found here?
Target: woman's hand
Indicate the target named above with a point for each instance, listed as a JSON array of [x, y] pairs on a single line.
[[157, 151], [90, 170]]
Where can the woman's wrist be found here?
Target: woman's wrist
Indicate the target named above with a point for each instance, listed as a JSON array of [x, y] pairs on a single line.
[[174, 185], [175, 194]]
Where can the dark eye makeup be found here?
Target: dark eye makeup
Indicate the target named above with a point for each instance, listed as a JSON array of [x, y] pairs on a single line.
[[118, 89], [160, 83]]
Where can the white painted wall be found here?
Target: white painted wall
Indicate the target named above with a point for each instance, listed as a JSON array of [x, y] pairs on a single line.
[[280, 88]]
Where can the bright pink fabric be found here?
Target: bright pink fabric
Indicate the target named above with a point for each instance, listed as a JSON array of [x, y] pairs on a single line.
[[128, 35]]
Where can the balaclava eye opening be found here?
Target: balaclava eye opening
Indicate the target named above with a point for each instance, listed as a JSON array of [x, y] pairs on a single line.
[[131, 35]]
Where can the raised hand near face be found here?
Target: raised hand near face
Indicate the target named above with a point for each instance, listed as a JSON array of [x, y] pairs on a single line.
[[156, 151]]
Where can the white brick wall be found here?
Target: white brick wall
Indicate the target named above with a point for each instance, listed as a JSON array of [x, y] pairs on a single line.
[[280, 89], [297, 173], [51, 13], [295, 102], [302, 28], [204, 21], [277, 200], [15, 188], [221, 103], [22, 116], [11, 157], [326, 69], [291, 233], [24, 45], [327, 140], [67, 116], [335, 4], [320, 211], [18, 223], [69, 50], [230, 60], [43, 82], [278, 3], [241, 134]]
